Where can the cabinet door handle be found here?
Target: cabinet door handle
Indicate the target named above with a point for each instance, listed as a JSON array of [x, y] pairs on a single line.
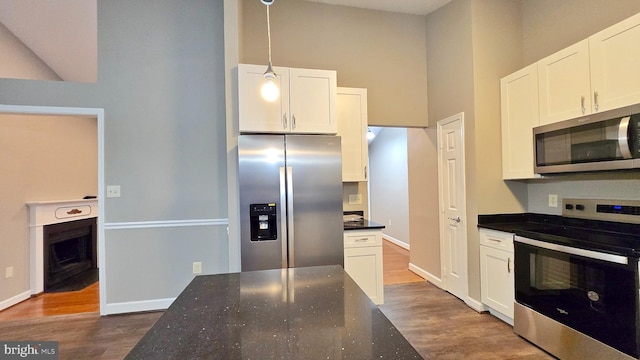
[[293, 121], [284, 121], [509, 265], [361, 240], [582, 104], [365, 173], [494, 240], [595, 100]]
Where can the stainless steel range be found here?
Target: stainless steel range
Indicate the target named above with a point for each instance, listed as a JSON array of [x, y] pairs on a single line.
[[577, 284]]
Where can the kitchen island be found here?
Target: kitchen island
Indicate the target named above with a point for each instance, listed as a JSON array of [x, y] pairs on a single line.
[[297, 313]]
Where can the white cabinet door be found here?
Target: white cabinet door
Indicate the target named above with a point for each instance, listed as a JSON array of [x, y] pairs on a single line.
[[497, 288], [564, 84], [519, 108], [615, 65], [496, 274], [307, 101], [255, 113], [352, 128], [364, 265], [313, 101], [363, 261]]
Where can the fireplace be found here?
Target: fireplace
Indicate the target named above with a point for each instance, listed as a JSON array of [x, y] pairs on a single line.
[[69, 254], [70, 231]]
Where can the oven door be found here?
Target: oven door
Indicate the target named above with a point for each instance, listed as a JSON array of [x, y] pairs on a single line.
[[594, 293]]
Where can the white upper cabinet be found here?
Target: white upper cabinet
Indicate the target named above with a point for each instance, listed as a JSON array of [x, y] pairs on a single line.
[[519, 110], [256, 113], [352, 128], [615, 65], [307, 101], [564, 84], [597, 74]]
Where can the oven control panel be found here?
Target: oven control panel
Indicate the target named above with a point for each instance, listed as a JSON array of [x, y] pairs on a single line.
[[603, 209]]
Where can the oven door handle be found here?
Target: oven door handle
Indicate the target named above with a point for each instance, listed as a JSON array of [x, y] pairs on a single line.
[[618, 259]]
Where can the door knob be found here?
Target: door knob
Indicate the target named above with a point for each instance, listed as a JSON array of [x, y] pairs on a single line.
[[456, 219]]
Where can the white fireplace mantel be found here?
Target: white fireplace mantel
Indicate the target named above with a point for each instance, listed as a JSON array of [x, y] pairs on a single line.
[[43, 213]]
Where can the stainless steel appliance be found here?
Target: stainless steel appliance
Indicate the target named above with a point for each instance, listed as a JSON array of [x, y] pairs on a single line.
[[290, 201], [577, 285], [608, 140]]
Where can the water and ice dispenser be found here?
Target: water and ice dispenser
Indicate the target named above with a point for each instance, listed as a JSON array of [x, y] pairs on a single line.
[[263, 222]]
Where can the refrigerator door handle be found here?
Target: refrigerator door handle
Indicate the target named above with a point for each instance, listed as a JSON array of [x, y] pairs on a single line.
[[290, 212], [283, 216]]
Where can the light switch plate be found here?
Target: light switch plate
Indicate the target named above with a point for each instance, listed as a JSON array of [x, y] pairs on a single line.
[[553, 200]]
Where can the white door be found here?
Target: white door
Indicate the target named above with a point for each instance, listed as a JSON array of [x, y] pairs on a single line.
[[453, 234]]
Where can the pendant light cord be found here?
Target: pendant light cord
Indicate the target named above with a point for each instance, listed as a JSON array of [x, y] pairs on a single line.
[[269, 34]]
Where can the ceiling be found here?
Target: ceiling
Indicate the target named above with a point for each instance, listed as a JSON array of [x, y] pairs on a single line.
[[418, 7], [62, 33]]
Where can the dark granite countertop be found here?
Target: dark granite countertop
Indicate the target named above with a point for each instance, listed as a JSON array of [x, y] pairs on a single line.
[[298, 313], [362, 225]]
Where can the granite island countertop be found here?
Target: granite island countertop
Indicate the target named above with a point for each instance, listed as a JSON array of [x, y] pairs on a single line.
[[297, 313]]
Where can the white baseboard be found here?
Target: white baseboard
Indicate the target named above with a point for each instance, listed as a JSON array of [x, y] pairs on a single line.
[[475, 305], [426, 275], [136, 306], [15, 300], [402, 244]]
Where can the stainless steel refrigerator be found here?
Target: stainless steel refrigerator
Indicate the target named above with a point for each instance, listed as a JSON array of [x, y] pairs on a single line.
[[290, 201]]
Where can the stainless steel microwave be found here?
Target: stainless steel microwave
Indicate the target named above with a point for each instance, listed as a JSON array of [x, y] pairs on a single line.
[[608, 140]]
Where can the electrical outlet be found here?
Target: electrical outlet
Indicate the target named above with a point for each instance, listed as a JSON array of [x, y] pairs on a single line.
[[113, 191], [8, 272], [553, 200], [355, 199], [197, 267]]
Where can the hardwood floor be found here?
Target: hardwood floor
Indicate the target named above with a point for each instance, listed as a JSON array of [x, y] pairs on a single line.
[[86, 300], [437, 324], [440, 326], [396, 265]]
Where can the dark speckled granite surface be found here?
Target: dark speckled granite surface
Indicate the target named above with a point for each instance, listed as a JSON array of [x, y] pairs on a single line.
[[298, 313], [612, 237], [362, 225]]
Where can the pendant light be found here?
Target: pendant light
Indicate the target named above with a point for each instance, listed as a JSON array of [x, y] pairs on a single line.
[[269, 91]]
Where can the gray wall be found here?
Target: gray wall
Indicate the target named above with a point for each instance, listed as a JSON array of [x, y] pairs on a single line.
[[161, 83], [389, 193], [381, 51]]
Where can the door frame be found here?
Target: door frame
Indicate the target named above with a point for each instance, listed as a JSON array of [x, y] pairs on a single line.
[[98, 114], [442, 219]]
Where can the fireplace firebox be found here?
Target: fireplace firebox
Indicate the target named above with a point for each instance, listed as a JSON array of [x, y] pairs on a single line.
[[69, 252]]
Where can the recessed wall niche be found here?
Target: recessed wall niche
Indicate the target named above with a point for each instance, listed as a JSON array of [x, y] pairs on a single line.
[[49, 40]]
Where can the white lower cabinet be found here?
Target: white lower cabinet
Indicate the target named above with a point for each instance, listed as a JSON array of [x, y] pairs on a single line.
[[363, 261], [496, 273]]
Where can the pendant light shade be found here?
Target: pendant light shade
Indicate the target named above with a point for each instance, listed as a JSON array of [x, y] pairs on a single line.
[[269, 90]]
